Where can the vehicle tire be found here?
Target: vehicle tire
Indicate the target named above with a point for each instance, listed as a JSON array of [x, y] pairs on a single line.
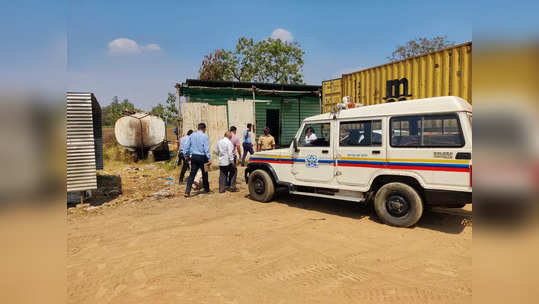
[[261, 187], [398, 204]]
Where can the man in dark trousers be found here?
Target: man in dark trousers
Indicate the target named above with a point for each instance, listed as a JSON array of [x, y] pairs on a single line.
[[197, 150], [181, 157], [247, 143], [231, 180]]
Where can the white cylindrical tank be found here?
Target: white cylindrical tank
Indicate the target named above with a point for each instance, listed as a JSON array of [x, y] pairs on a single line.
[[140, 129]]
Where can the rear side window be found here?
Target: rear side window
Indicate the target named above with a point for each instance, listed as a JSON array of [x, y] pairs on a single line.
[[366, 133], [426, 131]]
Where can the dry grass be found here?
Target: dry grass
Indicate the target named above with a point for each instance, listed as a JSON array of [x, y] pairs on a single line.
[[115, 152]]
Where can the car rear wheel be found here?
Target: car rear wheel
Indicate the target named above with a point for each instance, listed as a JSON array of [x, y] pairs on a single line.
[[398, 204], [261, 187]]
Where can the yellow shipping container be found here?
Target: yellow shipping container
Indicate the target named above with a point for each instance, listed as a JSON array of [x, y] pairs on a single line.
[[446, 72], [331, 94]]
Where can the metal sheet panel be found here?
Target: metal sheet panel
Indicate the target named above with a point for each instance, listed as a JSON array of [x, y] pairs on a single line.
[[215, 118], [240, 113], [443, 73], [84, 141]]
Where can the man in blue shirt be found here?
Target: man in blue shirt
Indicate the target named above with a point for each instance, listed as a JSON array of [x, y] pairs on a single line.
[[247, 143], [197, 149], [182, 156]]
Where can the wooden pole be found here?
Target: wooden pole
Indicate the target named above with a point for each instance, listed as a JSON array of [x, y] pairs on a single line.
[[254, 113], [179, 122], [179, 119]]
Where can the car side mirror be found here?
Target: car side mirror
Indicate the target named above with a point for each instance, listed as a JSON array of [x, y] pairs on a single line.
[[295, 145]]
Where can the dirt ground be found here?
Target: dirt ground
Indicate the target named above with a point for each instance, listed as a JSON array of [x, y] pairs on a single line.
[[149, 244]]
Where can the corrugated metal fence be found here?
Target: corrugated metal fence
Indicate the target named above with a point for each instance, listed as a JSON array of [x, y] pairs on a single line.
[[84, 141]]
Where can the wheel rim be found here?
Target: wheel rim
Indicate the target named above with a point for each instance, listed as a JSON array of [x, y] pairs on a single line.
[[259, 185], [397, 206]]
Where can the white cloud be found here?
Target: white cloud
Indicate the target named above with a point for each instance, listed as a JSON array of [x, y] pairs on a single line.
[[129, 46], [123, 46], [151, 47], [282, 34]]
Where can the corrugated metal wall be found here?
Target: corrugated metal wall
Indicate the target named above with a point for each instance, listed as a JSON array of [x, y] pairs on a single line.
[[84, 141], [446, 72]]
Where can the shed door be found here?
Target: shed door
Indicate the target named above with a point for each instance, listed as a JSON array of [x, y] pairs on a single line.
[[240, 113]]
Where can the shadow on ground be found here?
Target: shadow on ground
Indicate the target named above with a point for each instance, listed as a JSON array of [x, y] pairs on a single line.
[[447, 220], [109, 187]]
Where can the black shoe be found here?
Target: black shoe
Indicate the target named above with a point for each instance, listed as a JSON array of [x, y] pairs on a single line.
[[233, 190], [186, 195]]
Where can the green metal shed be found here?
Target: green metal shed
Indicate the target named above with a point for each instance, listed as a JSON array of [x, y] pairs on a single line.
[[285, 108]]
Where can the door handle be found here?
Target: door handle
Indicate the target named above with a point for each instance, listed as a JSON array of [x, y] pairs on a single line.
[[325, 151], [464, 155], [376, 152]]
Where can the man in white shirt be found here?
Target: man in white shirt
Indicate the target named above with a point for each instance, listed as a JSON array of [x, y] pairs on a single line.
[[181, 156], [310, 137], [225, 150]]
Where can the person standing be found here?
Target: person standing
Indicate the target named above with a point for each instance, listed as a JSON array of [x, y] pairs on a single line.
[[247, 143], [225, 150], [232, 175], [266, 141], [181, 157], [197, 150]]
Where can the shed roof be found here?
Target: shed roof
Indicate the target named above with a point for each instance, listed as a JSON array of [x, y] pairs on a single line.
[[193, 87]]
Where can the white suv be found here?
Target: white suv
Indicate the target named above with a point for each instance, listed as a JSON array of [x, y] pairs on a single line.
[[402, 155]]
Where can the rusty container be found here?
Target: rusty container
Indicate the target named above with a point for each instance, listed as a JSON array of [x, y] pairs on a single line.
[[446, 72], [331, 94], [140, 131]]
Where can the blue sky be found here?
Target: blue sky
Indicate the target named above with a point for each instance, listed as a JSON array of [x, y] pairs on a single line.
[[168, 39]]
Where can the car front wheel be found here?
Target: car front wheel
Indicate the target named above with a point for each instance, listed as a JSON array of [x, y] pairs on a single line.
[[261, 187]]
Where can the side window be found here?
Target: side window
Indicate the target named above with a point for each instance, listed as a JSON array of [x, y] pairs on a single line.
[[406, 131], [366, 133], [426, 131], [315, 135]]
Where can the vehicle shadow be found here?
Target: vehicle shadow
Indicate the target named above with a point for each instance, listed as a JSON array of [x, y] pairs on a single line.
[[325, 205], [444, 220]]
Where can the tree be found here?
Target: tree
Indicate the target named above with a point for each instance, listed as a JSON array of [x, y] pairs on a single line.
[[213, 66], [270, 60], [115, 110], [242, 64], [420, 46], [158, 110], [282, 62], [169, 111]]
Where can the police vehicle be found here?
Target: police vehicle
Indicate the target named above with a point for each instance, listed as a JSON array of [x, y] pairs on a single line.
[[401, 156]]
